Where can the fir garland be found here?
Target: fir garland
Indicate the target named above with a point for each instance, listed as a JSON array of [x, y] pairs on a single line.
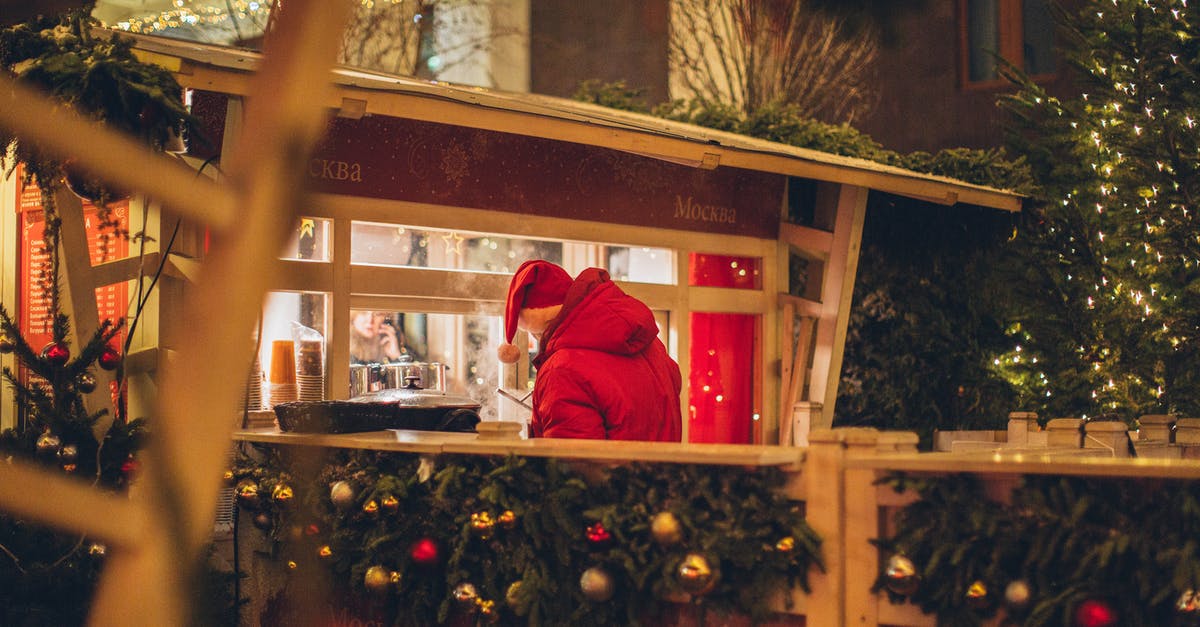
[[1129, 545], [521, 532]]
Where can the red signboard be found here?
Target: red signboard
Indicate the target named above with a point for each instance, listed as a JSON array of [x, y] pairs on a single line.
[[34, 316], [412, 160]]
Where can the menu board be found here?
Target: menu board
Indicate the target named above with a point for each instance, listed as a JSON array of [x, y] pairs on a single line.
[[34, 315]]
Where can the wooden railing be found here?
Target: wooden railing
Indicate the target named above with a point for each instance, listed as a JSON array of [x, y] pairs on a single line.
[[836, 477]]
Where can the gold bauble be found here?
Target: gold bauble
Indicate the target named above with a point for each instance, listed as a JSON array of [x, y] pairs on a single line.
[[325, 552], [901, 575], [282, 494], [696, 575], [785, 544], [341, 493], [371, 507], [482, 525], [597, 585], [465, 595], [377, 579], [977, 595], [666, 529], [507, 519], [247, 494], [390, 504]]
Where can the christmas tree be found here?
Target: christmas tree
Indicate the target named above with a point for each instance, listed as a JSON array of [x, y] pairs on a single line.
[[1111, 318]]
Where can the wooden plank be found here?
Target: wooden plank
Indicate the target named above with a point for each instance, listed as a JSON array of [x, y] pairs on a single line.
[[803, 306], [836, 293], [815, 242], [1077, 462], [112, 156], [787, 324], [78, 300], [595, 450], [70, 504]]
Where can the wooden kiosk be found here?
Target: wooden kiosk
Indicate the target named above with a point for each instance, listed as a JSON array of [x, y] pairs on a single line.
[[458, 161]]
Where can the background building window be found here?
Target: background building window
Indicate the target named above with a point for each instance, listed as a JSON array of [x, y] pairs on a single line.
[[1020, 31]]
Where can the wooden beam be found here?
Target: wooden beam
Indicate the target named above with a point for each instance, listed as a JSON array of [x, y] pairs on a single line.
[[112, 156], [836, 295], [69, 504]]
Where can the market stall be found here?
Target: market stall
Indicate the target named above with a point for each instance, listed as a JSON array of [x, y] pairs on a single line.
[[431, 194]]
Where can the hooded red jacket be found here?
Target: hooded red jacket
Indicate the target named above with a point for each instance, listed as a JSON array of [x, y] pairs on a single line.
[[602, 372]]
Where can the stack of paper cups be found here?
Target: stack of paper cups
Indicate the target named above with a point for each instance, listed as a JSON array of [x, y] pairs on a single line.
[[281, 384], [310, 370]]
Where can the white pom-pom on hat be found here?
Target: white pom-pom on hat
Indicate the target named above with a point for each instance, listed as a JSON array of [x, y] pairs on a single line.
[[508, 353]]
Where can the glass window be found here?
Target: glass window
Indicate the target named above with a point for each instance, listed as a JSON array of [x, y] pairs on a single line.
[[983, 37], [463, 345], [398, 245], [1039, 37], [297, 322], [721, 387], [309, 241], [743, 273]]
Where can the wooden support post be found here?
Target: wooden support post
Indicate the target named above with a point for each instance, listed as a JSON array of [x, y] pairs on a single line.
[[825, 509], [77, 298]]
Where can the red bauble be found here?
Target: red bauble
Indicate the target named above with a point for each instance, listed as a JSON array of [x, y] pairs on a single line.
[[110, 358], [425, 552], [56, 354], [130, 466], [1094, 613], [598, 537]]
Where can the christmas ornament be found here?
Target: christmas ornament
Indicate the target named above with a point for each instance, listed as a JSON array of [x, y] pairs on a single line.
[[901, 575], [341, 493], [487, 611], [785, 544], [55, 353], [977, 595], [377, 579], [227, 477], [325, 552], [596, 584], [7, 345], [1094, 613], [507, 520], [390, 504], [465, 596], [247, 494], [696, 575], [262, 520], [97, 549], [482, 526], [282, 494], [513, 598], [109, 358], [69, 468], [311, 529], [130, 466], [665, 529], [425, 552], [292, 565], [1188, 603], [598, 537], [371, 508], [48, 444], [67, 454], [86, 383], [1017, 595]]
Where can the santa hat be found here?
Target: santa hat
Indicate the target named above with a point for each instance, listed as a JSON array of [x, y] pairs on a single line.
[[537, 284]]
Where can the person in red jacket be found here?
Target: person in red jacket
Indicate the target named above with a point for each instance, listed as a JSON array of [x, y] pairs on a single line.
[[602, 372]]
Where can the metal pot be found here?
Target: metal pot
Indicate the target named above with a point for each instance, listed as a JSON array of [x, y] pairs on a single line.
[[367, 378], [415, 407], [409, 407]]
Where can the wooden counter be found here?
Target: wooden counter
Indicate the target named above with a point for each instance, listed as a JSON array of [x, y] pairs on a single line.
[[436, 442]]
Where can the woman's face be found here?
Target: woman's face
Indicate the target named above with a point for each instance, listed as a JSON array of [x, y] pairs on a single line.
[[367, 323]]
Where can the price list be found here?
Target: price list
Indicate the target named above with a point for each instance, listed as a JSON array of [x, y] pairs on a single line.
[[34, 316]]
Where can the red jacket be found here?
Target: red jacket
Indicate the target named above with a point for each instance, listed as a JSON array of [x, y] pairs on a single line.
[[602, 372]]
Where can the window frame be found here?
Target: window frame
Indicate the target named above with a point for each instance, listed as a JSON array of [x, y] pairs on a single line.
[[1011, 36]]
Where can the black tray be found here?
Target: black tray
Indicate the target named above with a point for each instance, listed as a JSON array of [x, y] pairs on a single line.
[[356, 417]]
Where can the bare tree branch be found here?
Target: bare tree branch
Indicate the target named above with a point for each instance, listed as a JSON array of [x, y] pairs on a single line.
[[750, 53]]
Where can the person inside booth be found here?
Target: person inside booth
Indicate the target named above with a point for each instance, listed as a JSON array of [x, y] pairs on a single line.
[[375, 338], [602, 372]]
